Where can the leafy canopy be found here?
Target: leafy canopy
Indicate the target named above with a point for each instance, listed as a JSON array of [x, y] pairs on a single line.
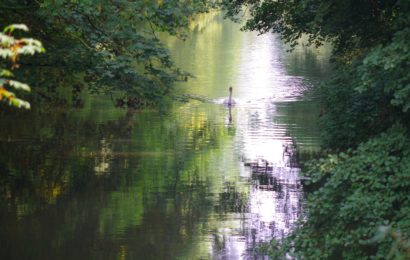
[[108, 47]]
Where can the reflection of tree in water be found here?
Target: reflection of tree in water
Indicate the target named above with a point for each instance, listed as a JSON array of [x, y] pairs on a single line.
[[171, 217], [268, 210], [282, 189], [32, 163], [264, 181], [114, 191], [231, 200], [275, 204], [40, 160], [120, 128], [113, 129]]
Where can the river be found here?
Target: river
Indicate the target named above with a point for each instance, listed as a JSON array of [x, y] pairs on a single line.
[[196, 181]]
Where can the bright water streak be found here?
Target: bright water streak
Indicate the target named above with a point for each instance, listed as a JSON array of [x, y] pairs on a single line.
[[266, 136]]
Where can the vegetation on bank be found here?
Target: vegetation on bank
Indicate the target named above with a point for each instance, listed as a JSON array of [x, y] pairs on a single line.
[[360, 207], [107, 47]]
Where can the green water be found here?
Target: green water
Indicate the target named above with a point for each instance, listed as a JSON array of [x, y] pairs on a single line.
[[197, 181]]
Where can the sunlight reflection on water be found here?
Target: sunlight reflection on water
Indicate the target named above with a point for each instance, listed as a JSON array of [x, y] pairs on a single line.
[[266, 147], [262, 195]]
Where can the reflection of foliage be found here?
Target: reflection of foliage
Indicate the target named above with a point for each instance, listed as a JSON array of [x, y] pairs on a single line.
[[154, 180], [11, 48], [168, 187], [35, 174], [231, 200], [126, 209]]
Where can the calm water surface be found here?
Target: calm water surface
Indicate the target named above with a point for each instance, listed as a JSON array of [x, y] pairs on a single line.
[[199, 181]]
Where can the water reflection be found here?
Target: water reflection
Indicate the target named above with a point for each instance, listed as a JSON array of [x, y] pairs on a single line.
[[201, 181], [274, 121]]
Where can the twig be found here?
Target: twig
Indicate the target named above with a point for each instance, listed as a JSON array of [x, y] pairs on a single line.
[[151, 26]]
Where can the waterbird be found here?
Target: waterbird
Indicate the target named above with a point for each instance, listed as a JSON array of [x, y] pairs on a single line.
[[229, 101]]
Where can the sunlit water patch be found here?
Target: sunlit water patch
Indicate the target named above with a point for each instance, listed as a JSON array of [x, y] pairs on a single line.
[[272, 122]]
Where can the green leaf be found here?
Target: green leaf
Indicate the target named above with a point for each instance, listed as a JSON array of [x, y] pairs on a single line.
[[6, 73], [19, 85], [13, 27]]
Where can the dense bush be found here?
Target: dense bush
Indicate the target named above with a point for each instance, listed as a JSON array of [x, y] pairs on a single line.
[[367, 96]]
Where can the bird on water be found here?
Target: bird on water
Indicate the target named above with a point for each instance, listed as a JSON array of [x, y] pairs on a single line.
[[229, 101]]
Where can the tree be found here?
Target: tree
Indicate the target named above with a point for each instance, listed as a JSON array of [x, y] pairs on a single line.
[[108, 47]]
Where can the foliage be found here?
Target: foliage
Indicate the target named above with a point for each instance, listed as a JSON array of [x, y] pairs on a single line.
[[347, 25], [108, 47], [387, 66], [10, 49], [346, 110], [361, 190], [367, 96]]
